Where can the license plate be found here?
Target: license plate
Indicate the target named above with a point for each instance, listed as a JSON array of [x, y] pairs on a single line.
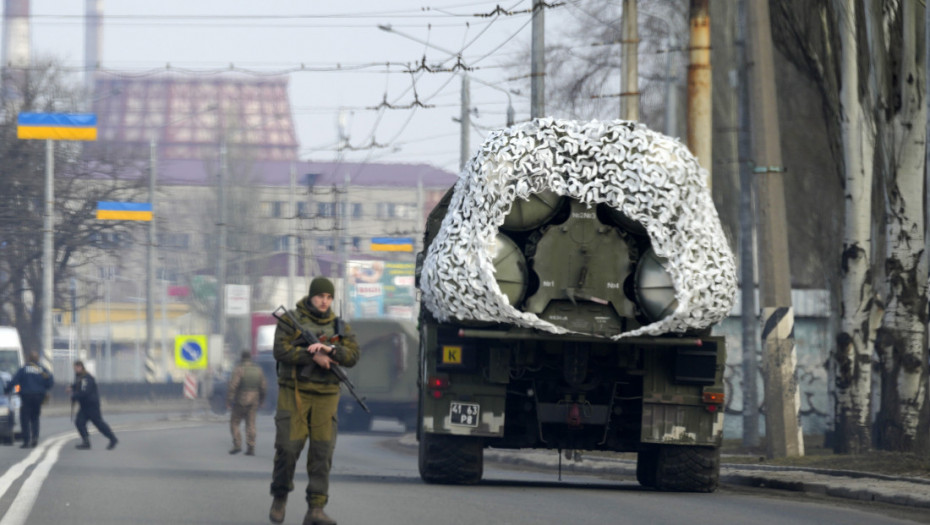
[[465, 414]]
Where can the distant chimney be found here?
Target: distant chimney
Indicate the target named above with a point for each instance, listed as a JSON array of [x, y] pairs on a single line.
[[93, 37], [16, 33]]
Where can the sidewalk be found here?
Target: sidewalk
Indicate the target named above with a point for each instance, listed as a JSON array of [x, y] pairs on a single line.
[[862, 486]]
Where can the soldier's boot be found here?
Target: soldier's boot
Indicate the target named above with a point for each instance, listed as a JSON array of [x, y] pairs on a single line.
[[278, 506], [250, 451], [235, 450], [113, 442], [83, 445], [316, 516]]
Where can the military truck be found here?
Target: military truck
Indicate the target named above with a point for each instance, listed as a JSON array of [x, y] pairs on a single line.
[[385, 376], [569, 282]]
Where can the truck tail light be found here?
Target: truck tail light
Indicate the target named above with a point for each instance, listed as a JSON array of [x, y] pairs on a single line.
[[436, 385], [713, 400]]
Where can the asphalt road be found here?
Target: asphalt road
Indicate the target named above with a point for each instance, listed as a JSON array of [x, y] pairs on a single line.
[[177, 471]]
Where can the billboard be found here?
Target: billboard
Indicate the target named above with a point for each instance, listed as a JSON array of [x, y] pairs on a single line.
[[381, 289]]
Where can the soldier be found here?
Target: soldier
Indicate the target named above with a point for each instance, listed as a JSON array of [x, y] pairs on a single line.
[[84, 391], [34, 381], [247, 388], [307, 400]]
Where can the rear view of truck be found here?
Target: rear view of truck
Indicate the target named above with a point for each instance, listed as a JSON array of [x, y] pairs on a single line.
[[569, 283]]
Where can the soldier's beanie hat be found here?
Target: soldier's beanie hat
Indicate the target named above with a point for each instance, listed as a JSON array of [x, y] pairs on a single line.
[[245, 355], [321, 285]]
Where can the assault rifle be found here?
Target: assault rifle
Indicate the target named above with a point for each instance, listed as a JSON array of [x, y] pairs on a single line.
[[307, 338]]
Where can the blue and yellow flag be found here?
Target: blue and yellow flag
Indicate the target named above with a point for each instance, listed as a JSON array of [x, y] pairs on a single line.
[[124, 211], [392, 244], [57, 126]]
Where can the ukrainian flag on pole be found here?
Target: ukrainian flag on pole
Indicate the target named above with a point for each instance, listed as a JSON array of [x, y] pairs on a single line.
[[124, 211], [57, 126], [392, 244]]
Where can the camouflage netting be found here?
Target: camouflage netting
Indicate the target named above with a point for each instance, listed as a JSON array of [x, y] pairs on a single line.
[[649, 177]]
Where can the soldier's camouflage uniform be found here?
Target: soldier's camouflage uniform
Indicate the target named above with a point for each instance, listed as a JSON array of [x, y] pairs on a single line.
[[247, 387], [308, 408]]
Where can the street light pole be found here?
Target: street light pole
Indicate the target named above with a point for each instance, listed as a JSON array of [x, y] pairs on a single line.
[[151, 374], [48, 254], [538, 62], [221, 248]]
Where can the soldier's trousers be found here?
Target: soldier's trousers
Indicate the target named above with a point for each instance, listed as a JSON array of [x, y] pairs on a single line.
[[248, 413], [303, 415], [29, 411], [91, 413]]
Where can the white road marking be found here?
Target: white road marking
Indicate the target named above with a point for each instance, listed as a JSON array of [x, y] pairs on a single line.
[[21, 507], [29, 491], [14, 472]]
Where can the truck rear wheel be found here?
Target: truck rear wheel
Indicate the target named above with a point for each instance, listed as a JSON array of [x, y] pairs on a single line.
[[451, 460], [679, 468], [646, 464]]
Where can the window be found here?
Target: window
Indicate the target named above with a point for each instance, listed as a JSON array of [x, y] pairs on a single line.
[[356, 210], [277, 209], [405, 211], [325, 243], [324, 209], [302, 210], [280, 243]]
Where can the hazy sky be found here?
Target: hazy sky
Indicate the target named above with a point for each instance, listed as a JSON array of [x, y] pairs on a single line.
[[344, 54]]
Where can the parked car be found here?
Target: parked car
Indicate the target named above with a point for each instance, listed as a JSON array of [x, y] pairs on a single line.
[[7, 412]]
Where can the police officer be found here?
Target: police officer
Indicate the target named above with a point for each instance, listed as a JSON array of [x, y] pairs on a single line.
[[308, 397], [34, 381], [247, 388], [84, 391]]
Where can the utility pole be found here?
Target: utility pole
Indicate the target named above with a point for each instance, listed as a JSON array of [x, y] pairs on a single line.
[[629, 89], [465, 123], [700, 121], [48, 254], [783, 431], [292, 238], [221, 247], [749, 311], [538, 64], [151, 375]]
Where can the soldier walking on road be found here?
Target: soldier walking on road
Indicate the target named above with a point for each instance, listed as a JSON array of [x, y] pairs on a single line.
[[84, 391], [247, 388], [308, 398], [34, 381]]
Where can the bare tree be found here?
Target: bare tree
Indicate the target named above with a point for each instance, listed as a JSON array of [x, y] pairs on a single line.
[[897, 28], [80, 182], [853, 357]]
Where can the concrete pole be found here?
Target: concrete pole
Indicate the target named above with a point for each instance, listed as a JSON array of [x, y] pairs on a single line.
[[629, 88], [93, 33], [782, 398], [151, 371], [221, 249], [465, 123], [538, 62], [700, 121], [749, 310], [292, 239], [671, 89], [48, 255]]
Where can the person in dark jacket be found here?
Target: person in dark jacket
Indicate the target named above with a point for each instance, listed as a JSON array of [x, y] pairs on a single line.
[[84, 391], [34, 381]]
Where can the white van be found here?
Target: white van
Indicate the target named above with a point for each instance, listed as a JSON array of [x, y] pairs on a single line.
[[11, 350], [11, 360]]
